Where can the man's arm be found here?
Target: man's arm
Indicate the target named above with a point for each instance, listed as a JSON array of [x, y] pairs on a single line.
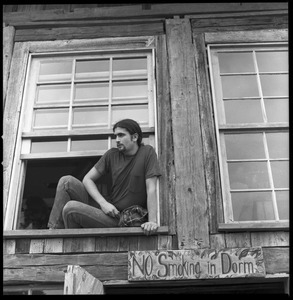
[[89, 183], [151, 188]]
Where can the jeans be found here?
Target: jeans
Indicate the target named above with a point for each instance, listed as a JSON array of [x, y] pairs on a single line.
[[71, 208]]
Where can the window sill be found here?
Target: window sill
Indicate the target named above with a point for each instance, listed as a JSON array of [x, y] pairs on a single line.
[[45, 233], [254, 226]]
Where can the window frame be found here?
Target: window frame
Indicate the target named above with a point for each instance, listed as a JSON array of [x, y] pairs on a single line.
[[227, 39], [145, 43]]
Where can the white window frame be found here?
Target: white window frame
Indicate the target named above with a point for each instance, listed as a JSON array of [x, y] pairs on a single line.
[[115, 45], [231, 39]]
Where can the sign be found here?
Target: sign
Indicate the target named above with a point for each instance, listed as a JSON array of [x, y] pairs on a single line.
[[195, 264]]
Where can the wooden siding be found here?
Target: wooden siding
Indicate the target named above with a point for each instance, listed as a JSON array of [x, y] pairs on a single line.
[[191, 202]]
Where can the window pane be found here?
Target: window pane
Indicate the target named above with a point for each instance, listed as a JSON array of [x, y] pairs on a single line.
[[53, 93], [55, 71], [278, 144], [275, 85], [248, 175], [51, 117], [90, 116], [239, 86], [236, 62], [243, 111], [252, 206], [136, 112], [86, 144], [91, 91], [277, 110], [129, 67], [89, 69], [280, 170], [51, 146], [276, 61], [244, 146], [130, 89], [283, 204]]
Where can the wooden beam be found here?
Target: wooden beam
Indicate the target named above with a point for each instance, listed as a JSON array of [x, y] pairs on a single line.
[[190, 187], [83, 232], [79, 281], [261, 226]]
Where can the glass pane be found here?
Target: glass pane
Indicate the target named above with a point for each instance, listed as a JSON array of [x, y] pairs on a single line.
[[275, 85], [243, 111], [55, 71], [244, 146], [280, 170], [138, 113], [248, 175], [91, 91], [89, 69], [283, 204], [277, 110], [252, 206], [129, 67], [239, 86], [278, 144], [52, 146], [51, 117], [130, 89], [53, 93], [90, 116], [275, 61], [236, 62], [86, 144]]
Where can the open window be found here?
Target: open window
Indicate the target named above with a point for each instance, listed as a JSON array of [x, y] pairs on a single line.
[[251, 101], [71, 102]]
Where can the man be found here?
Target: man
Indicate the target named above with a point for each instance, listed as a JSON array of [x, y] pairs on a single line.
[[132, 169]]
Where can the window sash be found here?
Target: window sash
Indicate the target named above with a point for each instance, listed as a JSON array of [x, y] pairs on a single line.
[[224, 128]]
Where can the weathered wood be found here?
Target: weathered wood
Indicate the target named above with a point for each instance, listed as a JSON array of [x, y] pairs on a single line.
[[37, 246], [276, 260], [8, 40], [79, 281], [80, 244], [166, 155], [191, 197], [119, 231], [210, 154], [22, 246], [264, 226], [147, 243], [11, 115], [240, 239], [87, 32], [165, 242], [247, 36], [217, 241], [240, 23], [54, 245], [8, 246], [136, 11], [267, 239], [195, 264]]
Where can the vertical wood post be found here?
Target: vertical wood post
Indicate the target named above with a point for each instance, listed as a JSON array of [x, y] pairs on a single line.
[[79, 281], [190, 187]]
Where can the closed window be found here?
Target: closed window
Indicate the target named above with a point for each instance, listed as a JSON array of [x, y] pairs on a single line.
[[251, 106]]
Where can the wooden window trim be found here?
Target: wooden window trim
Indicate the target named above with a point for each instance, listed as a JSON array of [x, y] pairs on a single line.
[[254, 37], [79, 232], [15, 170]]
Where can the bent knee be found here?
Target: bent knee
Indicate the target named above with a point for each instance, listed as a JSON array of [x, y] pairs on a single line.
[[66, 179], [70, 206]]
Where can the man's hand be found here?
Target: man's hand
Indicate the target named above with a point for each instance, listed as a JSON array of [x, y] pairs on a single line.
[[149, 227], [110, 210]]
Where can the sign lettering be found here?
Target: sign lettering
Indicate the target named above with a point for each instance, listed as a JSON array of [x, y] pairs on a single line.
[[195, 264]]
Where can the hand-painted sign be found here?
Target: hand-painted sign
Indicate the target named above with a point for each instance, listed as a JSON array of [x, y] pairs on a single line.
[[195, 264]]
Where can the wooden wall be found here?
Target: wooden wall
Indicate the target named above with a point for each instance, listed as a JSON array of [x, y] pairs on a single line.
[[190, 205]]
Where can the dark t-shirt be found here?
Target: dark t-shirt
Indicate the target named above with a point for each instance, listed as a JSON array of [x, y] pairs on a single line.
[[127, 175]]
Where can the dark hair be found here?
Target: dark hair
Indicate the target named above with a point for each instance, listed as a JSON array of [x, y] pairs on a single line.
[[131, 126]]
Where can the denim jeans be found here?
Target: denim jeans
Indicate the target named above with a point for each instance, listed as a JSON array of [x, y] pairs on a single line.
[[71, 208]]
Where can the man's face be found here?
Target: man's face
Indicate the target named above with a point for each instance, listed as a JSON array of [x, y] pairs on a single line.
[[125, 141]]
